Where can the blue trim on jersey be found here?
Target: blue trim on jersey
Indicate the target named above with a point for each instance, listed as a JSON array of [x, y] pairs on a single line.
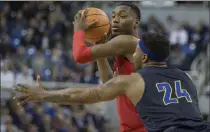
[[151, 55]]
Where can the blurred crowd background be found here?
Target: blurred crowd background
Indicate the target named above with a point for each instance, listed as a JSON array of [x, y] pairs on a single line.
[[36, 38]]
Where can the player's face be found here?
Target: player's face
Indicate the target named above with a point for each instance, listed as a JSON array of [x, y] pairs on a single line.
[[139, 58], [123, 21]]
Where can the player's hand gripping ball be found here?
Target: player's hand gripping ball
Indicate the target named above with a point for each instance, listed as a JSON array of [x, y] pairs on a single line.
[[94, 22], [80, 21]]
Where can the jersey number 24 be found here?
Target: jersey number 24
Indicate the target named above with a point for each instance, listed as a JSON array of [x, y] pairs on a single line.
[[167, 89]]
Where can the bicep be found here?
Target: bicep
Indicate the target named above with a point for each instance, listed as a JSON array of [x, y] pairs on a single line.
[[102, 51], [120, 45], [114, 87]]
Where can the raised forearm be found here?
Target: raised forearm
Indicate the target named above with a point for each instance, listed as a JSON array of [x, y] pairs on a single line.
[[81, 52], [105, 70], [115, 47]]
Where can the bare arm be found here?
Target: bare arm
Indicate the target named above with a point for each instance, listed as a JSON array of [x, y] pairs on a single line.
[[115, 87], [120, 45], [105, 70], [61, 96]]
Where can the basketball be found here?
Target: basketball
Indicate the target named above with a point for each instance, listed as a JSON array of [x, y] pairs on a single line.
[[96, 32]]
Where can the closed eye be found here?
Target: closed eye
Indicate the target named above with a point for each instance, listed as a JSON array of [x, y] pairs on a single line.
[[123, 17]]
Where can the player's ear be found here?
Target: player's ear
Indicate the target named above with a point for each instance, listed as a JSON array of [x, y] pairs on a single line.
[[137, 23], [144, 58]]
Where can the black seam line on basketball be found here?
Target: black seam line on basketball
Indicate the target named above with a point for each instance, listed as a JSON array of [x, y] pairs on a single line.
[[96, 15], [100, 26]]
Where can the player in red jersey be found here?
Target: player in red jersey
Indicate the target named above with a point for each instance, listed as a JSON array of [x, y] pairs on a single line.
[[125, 22]]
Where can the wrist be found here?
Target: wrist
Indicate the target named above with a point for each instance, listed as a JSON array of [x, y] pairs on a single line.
[[79, 31], [44, 95], [102, 41]]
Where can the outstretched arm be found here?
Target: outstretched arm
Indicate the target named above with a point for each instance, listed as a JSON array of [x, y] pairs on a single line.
[[120, 45], [108, 91], [121, 85]]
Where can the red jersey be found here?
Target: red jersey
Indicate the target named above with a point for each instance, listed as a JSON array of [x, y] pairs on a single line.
[[129, 118]]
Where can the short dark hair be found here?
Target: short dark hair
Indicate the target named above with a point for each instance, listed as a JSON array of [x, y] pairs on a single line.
[[134, 8], [157, 44]]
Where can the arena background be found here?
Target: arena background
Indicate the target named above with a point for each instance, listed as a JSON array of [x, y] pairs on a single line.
[[36, 37]]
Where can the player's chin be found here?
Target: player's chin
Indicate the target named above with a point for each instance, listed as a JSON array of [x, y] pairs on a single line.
[[115, 33]]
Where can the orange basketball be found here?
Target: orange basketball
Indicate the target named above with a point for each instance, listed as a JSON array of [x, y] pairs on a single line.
[[96, 32]]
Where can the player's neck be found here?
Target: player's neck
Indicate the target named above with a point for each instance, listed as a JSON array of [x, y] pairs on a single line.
[[135, 33], [156, 64]]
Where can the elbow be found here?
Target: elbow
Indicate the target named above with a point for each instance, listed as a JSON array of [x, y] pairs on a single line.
[[83, 56], [104, 79], [78, 59]]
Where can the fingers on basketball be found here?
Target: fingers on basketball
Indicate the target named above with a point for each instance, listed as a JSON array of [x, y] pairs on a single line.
[[84, 14], [78, 15], [91, 24], [98, 22], [105, 36]]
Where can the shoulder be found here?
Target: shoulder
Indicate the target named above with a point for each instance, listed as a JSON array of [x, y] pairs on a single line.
[[137, 77], [128, 79], [132, 79], [136, 84], [183, 73]]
